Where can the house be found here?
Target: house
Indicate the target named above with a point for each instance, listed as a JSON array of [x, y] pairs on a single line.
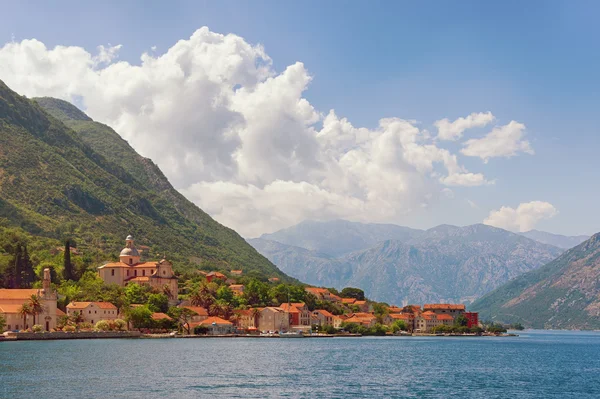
[[445, 308], [215, 275], [337, 322], [323, 294], [299, 313], [12, 301], [245, 319], [348, 301], [274, 280], [322, 317], [129, 269], [394, 309], [199, 313], [426, 321], [407, 318], [238, 289], [273, 319], [472, 319], [216, 326], [93, 312], [236, 273], [161, 316], [364, 319]]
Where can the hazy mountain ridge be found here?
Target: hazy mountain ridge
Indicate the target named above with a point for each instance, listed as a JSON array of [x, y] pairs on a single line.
[[340, 237], [445, 263], [565, 293], [557, 240]]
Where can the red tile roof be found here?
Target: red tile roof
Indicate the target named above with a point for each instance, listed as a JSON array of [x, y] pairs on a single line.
[[289, 308], [7, 293], [216, 320], [10, 308], [348, 300], [199, 310], [324, 312], [444, 317], [160, 316], [443, 306], [59, 312], [83, 305]]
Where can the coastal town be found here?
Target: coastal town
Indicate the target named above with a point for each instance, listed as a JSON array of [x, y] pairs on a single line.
[[219, 305]]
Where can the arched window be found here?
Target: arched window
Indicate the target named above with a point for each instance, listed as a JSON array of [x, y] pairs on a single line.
[[143, 272], [112, 272], [131, 261]]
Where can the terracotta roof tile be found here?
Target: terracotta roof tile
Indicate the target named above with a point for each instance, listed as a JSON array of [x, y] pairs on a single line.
[[199, 310], [160, 316], [7, 293], [443, 306]]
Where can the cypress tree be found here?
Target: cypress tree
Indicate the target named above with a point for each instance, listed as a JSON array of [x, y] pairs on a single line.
[[68, 266], [27, 272], [17, 272]]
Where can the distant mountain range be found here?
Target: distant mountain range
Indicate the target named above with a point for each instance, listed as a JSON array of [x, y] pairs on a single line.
[[560, 241], [564, 294], [445, 263]]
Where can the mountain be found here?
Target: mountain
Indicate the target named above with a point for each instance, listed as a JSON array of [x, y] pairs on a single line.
[[339, 237], [557, 240], [308, 266], [564, 294], [62, 174], [445, 263]]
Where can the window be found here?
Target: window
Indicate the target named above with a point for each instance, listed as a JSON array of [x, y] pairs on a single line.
[[164, 272], [112, 272], [131, 261], [8, 326], [143, 272], [135, 272], [95, 312], [127, 272], [89, 312]]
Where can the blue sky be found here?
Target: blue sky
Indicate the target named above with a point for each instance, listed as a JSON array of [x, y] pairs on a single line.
[[536, 62]]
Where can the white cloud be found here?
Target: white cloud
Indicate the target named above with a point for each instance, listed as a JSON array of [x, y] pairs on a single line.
[[238, 137], [503, 141], [524, 218], [454, 130]]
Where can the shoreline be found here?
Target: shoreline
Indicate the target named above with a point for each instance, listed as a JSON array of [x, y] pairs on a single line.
[[59, 335]]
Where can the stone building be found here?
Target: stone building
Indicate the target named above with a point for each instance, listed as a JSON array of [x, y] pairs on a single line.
[[129, 269], [93, 312], [12, 300]]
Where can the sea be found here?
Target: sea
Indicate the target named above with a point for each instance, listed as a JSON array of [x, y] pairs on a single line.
[[536, 364]]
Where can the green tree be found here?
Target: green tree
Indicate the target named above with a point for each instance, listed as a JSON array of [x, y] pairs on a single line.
[[136, 293], [25, 311], [399, 325], [461, 321], [140, 317], [183, 316], [158, 303], [350, 292], [224, 293], [2, 324], [68, 273]]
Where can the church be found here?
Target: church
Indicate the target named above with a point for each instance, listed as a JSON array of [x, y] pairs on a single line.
[[129, 269]]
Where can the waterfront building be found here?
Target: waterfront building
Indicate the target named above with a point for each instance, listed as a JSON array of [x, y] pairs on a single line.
[[216, 326], [445, 308], [12, 301], [199, 313], [157, 274], [322, 317], [93, 312], [427, 320], [273, 319], [472, 319]]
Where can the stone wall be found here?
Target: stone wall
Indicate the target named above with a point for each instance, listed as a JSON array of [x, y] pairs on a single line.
[[25, 336]]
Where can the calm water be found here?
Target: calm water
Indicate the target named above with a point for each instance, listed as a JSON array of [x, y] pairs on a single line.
[[534, 365]]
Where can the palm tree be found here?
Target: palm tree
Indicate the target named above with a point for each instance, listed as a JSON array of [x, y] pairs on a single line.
[[256, 316], [227, 311], [167, 291], [35, 305], [215, 309], [25, 311]]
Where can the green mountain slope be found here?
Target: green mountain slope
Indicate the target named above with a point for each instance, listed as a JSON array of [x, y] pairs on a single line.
[[85, 182], [565, 293]]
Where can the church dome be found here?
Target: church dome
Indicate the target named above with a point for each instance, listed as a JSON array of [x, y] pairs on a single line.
[[129, 252]]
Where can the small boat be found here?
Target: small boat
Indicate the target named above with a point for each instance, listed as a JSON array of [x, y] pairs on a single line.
[[291, 334]]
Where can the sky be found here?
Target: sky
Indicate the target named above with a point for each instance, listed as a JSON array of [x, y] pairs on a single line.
[[268, 113]]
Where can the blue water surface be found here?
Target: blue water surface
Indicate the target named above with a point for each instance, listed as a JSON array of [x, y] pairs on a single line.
[[534, 365]]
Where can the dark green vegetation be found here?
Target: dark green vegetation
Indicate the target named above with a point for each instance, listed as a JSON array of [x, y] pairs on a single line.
[[562, 294], [64, 176]]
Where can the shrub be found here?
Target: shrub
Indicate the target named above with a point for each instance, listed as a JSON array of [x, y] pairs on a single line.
[[120, 325], [200, 330], [69, 328], [37, 328], [86, 325], [103, 325]]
